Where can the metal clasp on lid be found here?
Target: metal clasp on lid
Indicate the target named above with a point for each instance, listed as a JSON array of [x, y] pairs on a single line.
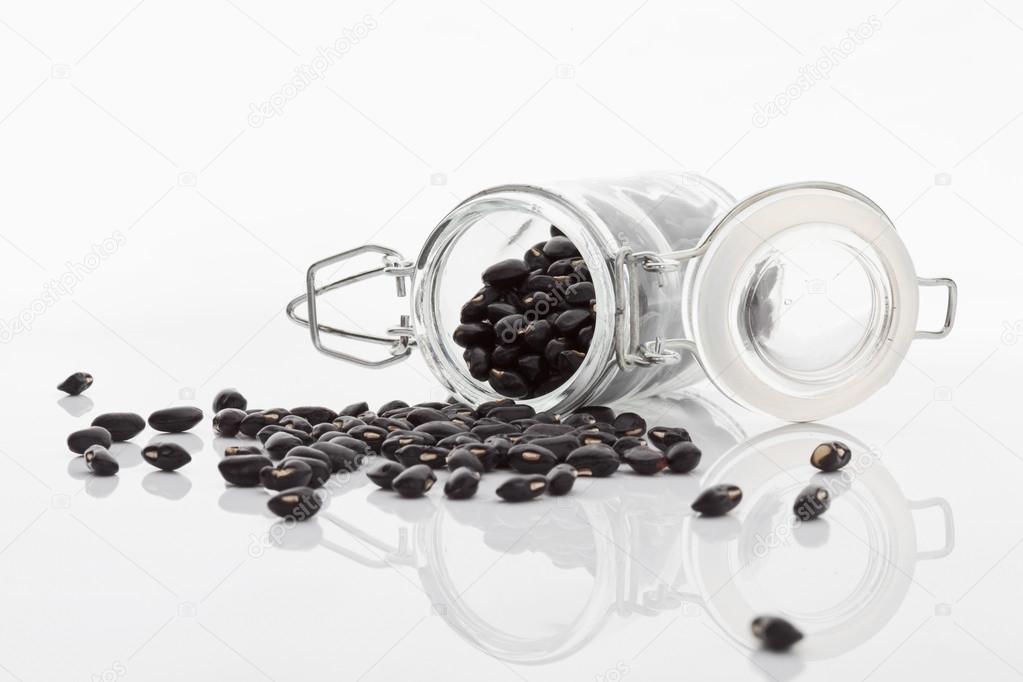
[[400, 338], [950, 310]]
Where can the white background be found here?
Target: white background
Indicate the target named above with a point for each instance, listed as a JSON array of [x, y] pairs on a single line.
[[130, 121]]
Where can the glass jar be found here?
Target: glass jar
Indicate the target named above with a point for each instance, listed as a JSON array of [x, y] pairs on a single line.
[[799, 301]]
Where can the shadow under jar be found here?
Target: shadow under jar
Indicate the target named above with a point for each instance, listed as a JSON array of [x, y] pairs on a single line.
[[799, 301]]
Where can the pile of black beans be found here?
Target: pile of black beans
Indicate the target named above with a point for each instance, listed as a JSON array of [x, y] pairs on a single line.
[[529, 328]]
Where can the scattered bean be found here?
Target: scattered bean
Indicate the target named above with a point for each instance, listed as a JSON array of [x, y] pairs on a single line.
[[831, 456], [166, 455], [295, 503], [228, 421], [296, 473], [629, 424], [229, 398], [462, 483], [683, 457], [811, 502], [776, 634], [175, 419], [717, 500], [560, 479], [462, 458], [320, 469], [414, 481], [314, 414], [663, 437], [80, 441], [243, 470], [522, 488], [100, 461], [76, 383], [121, 425], [530, 458], [645, 460], [383, 473], [594, 460]]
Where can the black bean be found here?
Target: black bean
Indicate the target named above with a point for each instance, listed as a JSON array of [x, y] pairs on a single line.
[[478, 361], [457, 440], [76, 383], [423, 415], [166, 455], [359, 446], [600, 414], [540, 302], [278, 412], [557, 248], [308, 452], [584, 337], [441, 429], [509, 329], [591, 436], [341, 457], [489, 454], [560, 479], [569, 361], [460, 457], [663, 437], [254, 421], [531, 366], [580, 293], [683, 457], [831, 456], [486, 430], [227, 421], [629, 424], [508, 383], [383, 473], [373, 436], [561, 445], [264, 434], [579, 419], [339, 425], [571, 321], [175, 419], [279, 443], [511, 412], [462, 483], [561, 267], [530, 458], [506, 273], [522, 488], [229, 398], [243, 470], [483, 409], [100, 461], [543, 430], [553, 350], [535, 258], [433, 456], [390, 425], [80, 441], [121, 425], [811, 502], [239, 450], [329, 436], [295, 503], [776, 634], [399, 439], [717, 500], [626, 443], [645, 461], [538, 282], [293, 421], [294, 474], [353, 410], [320, 469], [594, 460], [390, 406], [537, 335], [415, 481], [315, 414], [505, 357]]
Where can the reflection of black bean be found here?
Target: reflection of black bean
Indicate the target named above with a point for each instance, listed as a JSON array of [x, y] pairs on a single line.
[[776, 634], [811, 502]]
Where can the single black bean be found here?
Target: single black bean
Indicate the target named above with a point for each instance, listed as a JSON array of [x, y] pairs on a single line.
[[540, 302], [831, 456], [626, 443], [553, 350], [227, 421], [229, 398], [600, 413], [717, 500], [441, 429], [423, 415], [490, 454], [530, 458], [776, 634], [460, 457], [556, 232], [571, 321], [462, 483], [315, 414], [506, 274], [433, 456], [508, 383], [478, 361], [457, 440], [505, 357], [293, 421], [341, 457], [80, 441], [484, 408], [121, 425], [579, 419], [254, 421], [278, 412], [663, 437], [538, 282], [500, 309], [390, 406], [294, 474], [243, 470], [279, 443], [295, 503], [308, 452], [100, 461], [320, 469], [522, 488], [537, 335], [353, 410], [646, 461], [239, 450], [543, 430], [561, 267], [264, 433], [531, 366], [167, 456], [509, 329], [415, 481], [175, 419], [509, 413], [329, 436], [583, 338], [342, 423], [557, 248], [629, 424], [594, 460], [399, 439], [560, 479], [76, 383], [811, 502], [535, 258], [561, 445], [580, 293], [359, 446], [373, 436], [591, 436], [383, 473], [683, 457], [390, 425], [569, 361]]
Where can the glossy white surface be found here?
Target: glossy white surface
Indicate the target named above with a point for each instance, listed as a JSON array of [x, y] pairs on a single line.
[[130, 122]]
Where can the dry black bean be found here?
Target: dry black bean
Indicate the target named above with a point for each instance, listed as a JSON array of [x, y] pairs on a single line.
[[229, 398], [343, 423], [580, 293], [538, 283], [254, 421], [293, 421], [571, 321], [645, 460], [506, 273], [424, 415], [489, 454], [415, 481], [475, 309], [626, 443], [390, 406], [531, 366], [560, 267], [530, 458], [629, 424], [569, 361], [474, 334], [175, 419], [663, 437], [717, 500], [776, 634], [510, 413], [553, 350], [535, 258], [294, 474], [478, 361], [486, 430], [308, 452], [561, 445], [584, 337], [590, 436], [359, 446], [320, 470], [238, 450], [505, 357], [683, 457], [325, 428], [100, 461], [382, 473], [341, 457], [80, 441], [522, 488], [227, 421], [295, 503], [391, 425], [594, 460], [314, 414], [811, 502], [76, 383], [560, 479], [483, 409], [543, 430], [279, 443], [600, 414], [264, 433], [462, 483], [508, 383], [166, 455], [540, 302], [121, 425], [509, 329], [373, 436], [579, 419], [441, 429], [353, 410], [499, 309], [557, 248], [831, 456], [433, 456], [243, 470], [399, 439], [460, 457], [457, 440]]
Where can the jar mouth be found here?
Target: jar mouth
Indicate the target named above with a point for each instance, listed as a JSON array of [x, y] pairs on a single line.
[[498, 223]]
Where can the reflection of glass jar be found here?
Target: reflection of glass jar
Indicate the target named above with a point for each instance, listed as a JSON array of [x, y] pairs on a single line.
[[799, 301]]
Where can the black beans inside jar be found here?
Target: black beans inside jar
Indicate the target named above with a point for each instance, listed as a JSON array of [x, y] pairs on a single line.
[[529, 328]]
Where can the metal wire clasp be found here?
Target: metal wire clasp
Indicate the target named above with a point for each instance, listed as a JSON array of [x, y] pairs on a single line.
[[400, 339]]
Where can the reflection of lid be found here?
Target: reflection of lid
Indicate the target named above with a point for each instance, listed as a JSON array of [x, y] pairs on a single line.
[[804, 302]]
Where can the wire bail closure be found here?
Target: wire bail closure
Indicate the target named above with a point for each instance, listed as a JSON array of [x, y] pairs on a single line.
[[400, 339]]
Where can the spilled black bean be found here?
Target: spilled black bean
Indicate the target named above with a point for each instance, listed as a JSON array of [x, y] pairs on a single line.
[[354, 410], [100, 461], [80, 441], [629, 424], [315, 414], [530, 458], [296, 473], [717, 500], [229, 398], [341, 458], [594, 460], [166, 455], [320, 469], [811, 502], [462, 483], [383, 473], [279, 443], [254, 421], [76, 383], [431, 455], [663, 437], [293, 421], [646, 461], [462, 458], [175, 419], [415, 481], [295, 503], [522, 488], [238, 450], [227, 421], [121, 425], [831, 456], [264, 433], [560, 479], [243, 470]]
